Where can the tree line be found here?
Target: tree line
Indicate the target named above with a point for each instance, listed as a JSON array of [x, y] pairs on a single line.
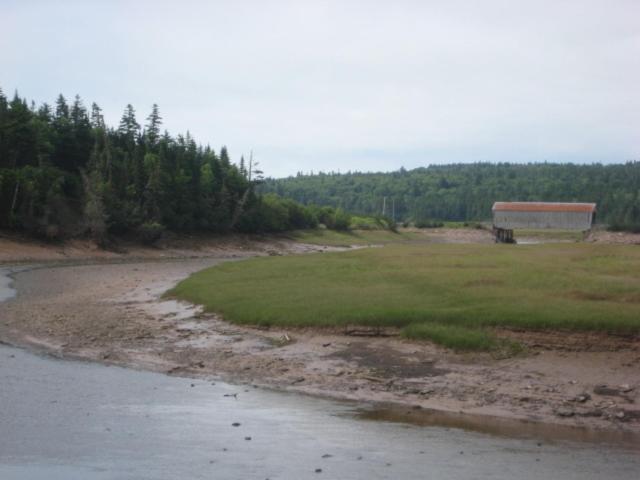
[[466, 192], [64, 172]]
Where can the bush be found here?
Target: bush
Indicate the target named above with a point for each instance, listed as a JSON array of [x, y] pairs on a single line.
[[476, 225], [341, 220], [150, 232], [365, 223], [272, 214], [300, 216], [428, 224], [624, 227]]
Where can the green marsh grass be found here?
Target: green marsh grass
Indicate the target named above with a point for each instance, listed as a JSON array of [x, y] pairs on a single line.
[[353, 237], [424, 288]]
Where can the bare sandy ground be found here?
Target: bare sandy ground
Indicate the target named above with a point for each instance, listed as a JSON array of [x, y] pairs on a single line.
[[114, 313]]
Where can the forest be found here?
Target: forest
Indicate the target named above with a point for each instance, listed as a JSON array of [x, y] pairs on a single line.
[[64, 172], [466, 192]]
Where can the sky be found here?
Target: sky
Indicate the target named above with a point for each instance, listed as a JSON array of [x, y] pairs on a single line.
[[347, 85]]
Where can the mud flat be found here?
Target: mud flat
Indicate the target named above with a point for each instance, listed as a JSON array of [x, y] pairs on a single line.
[[113, 313]]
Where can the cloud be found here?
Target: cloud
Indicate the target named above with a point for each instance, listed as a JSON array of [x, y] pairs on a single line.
[[312, 85]]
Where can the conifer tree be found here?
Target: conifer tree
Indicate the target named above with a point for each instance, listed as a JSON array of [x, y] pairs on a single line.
[[62, 109], [129, 127], [97, 119], [154, 120]]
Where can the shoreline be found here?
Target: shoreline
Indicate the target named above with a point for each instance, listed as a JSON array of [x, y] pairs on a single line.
[[123, 321]]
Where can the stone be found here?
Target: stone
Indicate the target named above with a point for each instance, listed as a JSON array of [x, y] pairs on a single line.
[[582, 398], [565, 412]]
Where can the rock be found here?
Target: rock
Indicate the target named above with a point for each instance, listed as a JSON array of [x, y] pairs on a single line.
[[298, 380], [626, 388], [247, 438], [606, 391], [582, 398], [235, 424], [564, 412], [318, 470], [325, 345], [327, 455], [590, 413]]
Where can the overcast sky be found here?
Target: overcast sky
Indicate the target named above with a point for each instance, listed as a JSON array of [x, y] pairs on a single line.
[[347, 85]]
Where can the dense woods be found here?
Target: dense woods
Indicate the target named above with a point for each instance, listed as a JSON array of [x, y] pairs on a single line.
[[64, 172], [467, 191]]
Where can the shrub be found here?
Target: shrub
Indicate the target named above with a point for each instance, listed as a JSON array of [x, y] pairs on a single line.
[[624, 227], [428, 224], [341, 220], [150, 232]]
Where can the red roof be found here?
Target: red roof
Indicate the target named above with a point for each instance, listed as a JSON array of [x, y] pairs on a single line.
[[543, 207]]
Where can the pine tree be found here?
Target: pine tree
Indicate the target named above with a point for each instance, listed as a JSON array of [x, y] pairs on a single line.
[[4, 110], [97, 119], [62, 109], [154, 120], [129, 127], [95, 217], [225, 161], [242, 167]]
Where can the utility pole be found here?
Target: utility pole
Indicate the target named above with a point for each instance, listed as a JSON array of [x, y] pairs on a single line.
[[393, 209]]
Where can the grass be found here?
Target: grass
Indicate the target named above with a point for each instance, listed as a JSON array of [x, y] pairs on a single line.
[[550, 234], [353, 237], [451, 336], [449, 293]]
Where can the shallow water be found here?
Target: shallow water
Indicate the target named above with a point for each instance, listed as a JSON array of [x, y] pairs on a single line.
[[6, 290], [74, 420]]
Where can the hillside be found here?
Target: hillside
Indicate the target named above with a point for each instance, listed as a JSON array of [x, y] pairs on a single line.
[[467, 191]]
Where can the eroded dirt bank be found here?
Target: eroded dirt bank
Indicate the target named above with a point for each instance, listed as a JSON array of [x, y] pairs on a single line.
[[113, 313]]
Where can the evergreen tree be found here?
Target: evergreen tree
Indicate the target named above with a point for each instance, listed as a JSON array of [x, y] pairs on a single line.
[[97, 119], [129, 127], [154, 120], [62, 109]]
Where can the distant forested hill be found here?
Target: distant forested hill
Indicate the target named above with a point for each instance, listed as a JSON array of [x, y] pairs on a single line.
[[467, 191]]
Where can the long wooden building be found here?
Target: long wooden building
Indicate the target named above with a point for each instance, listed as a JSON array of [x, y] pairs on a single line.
[[540, 215]]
